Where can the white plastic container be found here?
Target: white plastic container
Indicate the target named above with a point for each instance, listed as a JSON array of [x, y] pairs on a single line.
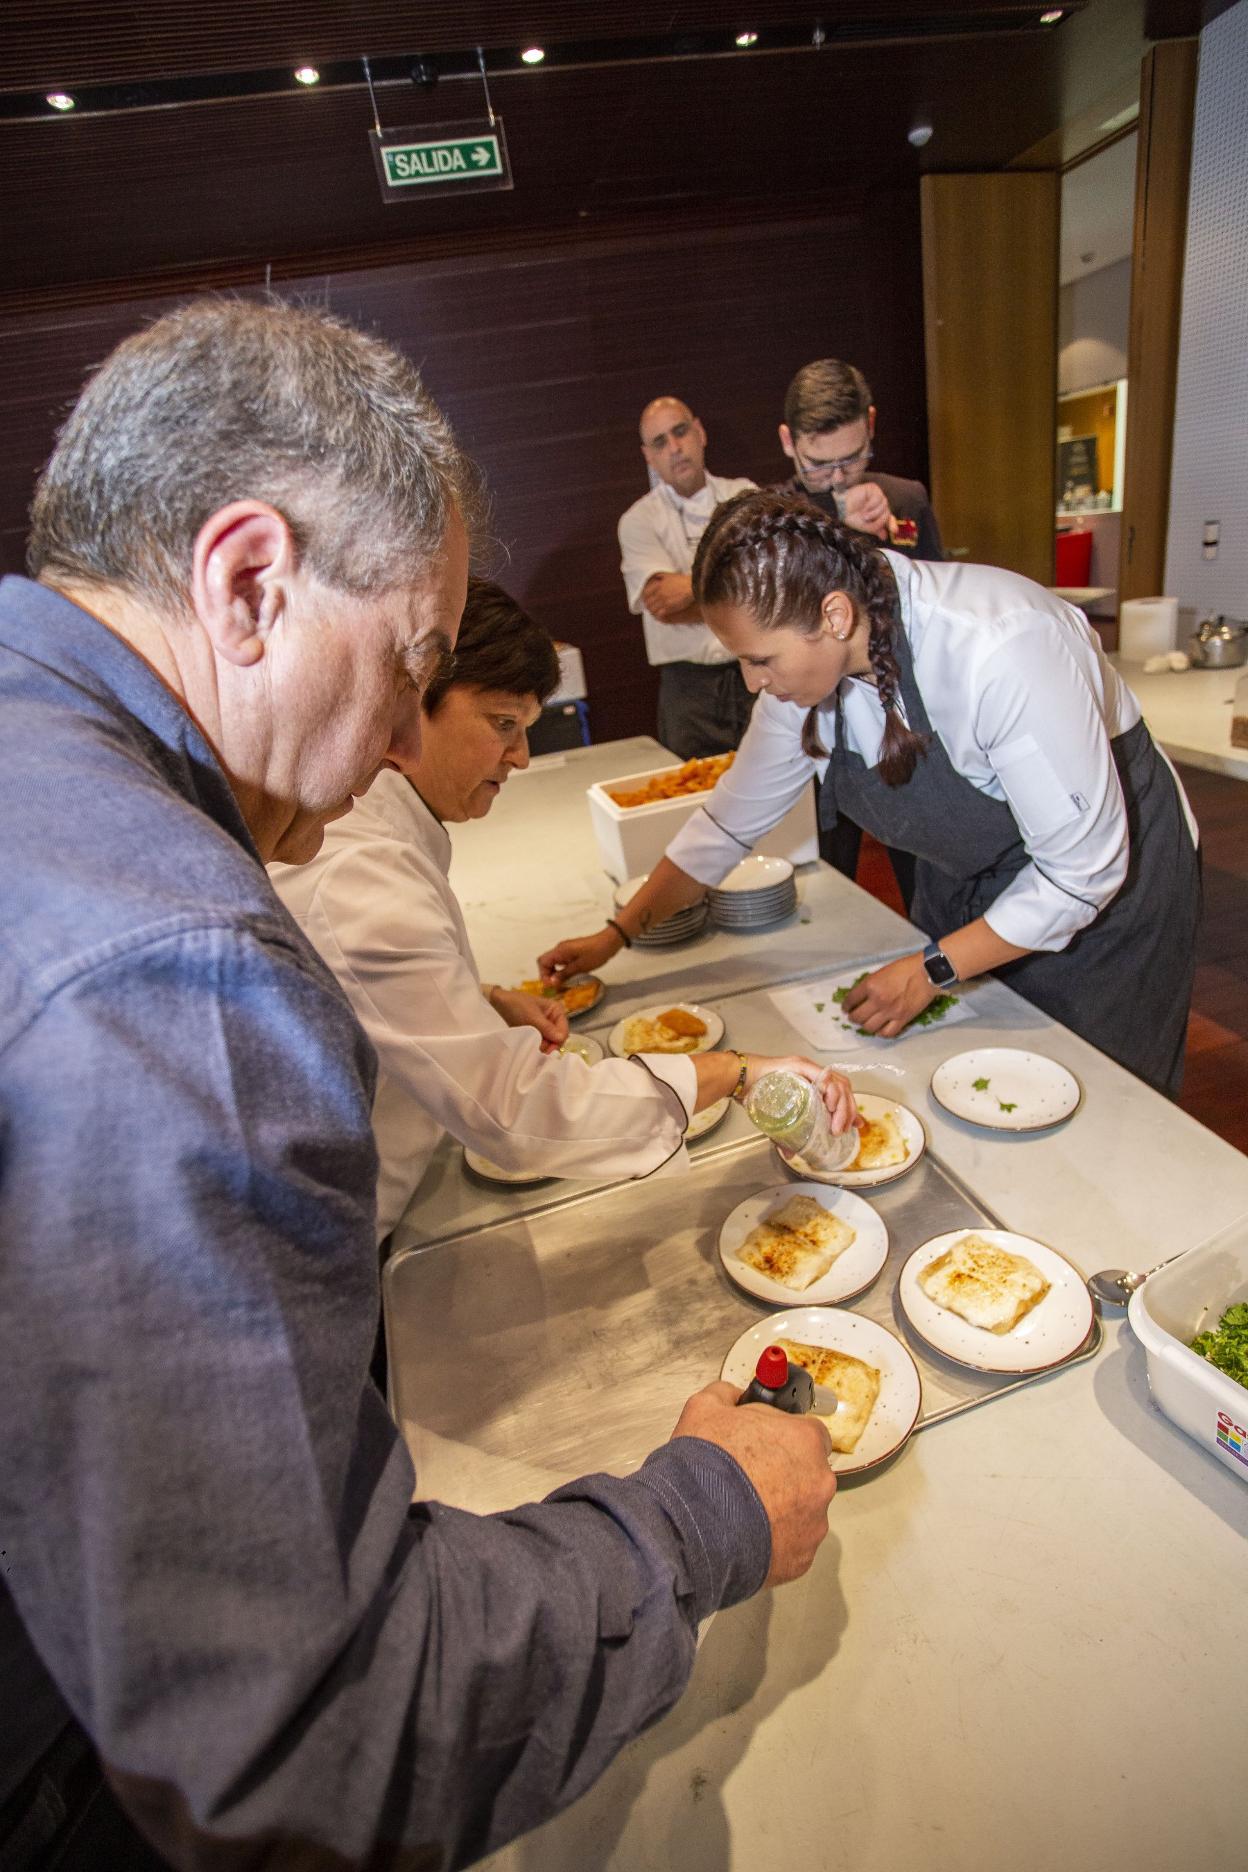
[[1166, 1313], [1147, 627], [632, 839]]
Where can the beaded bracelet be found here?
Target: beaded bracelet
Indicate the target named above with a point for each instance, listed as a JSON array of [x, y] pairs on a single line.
[[623, 935]]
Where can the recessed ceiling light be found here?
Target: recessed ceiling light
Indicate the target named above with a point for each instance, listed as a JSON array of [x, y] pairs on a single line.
[[533, 55], [60, 100], [747, 38], [307, 74], [1051, 18]]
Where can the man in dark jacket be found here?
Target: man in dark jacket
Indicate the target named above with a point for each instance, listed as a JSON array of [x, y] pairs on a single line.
[[249, 556], [828, 433]]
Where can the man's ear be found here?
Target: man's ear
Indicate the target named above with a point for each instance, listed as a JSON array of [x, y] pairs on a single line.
[[243, 556], [786, 441]]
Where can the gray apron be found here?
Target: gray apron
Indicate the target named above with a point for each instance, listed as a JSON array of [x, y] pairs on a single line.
[[1124, 983]]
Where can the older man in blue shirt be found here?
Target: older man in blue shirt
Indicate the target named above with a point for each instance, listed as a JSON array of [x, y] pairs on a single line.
[[250, 552]]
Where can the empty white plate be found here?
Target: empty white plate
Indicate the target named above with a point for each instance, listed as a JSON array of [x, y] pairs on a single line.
[[1006, 1089]]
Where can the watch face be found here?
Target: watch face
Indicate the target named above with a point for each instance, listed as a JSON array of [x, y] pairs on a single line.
[[938, 968]]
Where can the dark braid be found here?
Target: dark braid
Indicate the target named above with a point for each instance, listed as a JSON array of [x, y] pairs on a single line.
[[778, 556]]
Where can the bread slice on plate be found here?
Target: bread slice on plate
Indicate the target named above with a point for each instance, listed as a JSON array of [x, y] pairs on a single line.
[[985, 1285], [880, 1143], [856, 1384], [797, 1244]]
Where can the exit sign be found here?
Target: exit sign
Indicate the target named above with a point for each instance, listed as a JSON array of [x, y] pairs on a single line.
[[459, 158]]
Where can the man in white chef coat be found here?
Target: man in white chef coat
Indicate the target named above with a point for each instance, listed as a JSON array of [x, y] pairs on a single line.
[[704, 706], [457, 1054]]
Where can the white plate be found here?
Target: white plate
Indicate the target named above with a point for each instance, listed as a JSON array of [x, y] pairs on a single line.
[[707, 1119], [493, 1173], [901, 1393], [1038, 1091], [757, 873], [1048, 1334], [851, 1273], [913, 1136], [711, 1038], [585, 1047]]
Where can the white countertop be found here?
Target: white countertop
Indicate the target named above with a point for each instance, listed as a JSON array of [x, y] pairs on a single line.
[[1189, 713], [1022, 1646]]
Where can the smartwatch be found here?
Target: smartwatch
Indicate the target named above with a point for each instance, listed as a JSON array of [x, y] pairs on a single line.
[[937, 966]]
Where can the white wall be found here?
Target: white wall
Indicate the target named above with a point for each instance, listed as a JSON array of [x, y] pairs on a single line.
[[1093, 321], [1209, 479]]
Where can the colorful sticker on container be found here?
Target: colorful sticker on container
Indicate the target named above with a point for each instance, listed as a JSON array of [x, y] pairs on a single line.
[[1233, 1438]]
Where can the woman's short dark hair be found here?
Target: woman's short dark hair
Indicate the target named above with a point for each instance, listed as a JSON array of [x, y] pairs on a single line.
[[498, 647]]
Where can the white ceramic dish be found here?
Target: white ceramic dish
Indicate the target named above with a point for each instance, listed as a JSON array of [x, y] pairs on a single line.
[[756, 874], [707, 1120], [1052, 1330], [1166, 1313], [901, 1393], [493, 1173], [1006, 1089], [913, 1136], [851, 1273], [710, 1039], [585, 1047]]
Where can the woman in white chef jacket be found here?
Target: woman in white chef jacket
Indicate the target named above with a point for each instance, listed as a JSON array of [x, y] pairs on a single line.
[[965, 715], [456, 1055]]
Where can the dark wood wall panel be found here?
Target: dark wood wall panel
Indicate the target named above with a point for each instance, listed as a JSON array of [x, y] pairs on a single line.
[[543, 360]]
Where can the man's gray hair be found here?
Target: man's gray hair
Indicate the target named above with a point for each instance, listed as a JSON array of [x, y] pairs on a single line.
[[226, 400]]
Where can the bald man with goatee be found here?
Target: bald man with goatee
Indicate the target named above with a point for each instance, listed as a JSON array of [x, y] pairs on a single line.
[[704, 705]]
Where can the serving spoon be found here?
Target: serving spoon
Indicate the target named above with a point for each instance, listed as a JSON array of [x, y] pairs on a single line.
[[1115, 1286]]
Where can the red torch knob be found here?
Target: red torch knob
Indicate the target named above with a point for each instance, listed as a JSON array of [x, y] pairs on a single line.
[[772, 1369]]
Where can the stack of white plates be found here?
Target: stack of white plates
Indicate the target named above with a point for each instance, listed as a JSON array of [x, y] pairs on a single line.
[[759, 891], [673, 929]]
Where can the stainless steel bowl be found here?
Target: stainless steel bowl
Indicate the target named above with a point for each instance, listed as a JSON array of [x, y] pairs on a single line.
[[1220, 643]]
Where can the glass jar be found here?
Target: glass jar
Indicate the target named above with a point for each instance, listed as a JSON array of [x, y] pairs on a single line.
[[790, 1111]]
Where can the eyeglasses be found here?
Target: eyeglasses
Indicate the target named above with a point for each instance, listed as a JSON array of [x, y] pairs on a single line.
[[822, 471]]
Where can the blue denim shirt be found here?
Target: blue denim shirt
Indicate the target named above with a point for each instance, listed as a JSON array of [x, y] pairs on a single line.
[[207, 1530]]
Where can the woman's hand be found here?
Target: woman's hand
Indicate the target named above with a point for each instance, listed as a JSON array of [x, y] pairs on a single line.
[[836, 1091], [578, 955], [890, 997], [526, 1010]]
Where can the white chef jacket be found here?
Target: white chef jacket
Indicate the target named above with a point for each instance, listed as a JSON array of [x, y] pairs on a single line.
[[1025, 704], [660, 533], [378, 905]]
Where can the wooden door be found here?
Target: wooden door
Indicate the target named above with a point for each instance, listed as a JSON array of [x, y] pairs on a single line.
[[990, 277], [1162, 169]]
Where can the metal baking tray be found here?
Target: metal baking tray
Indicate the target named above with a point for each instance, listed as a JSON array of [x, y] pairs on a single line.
[[565, 1339]]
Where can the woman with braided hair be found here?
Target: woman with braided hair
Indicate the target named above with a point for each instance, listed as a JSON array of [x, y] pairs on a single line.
[[966, 715]]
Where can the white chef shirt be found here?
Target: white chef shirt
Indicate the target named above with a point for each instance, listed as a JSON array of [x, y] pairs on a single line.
[[1025, 704], [660, 533], [378, 905]]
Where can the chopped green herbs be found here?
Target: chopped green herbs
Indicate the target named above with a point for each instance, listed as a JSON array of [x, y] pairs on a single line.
[[979, 1085], [819, 1006], [1227, 1347], [839, 994], [1005, 1107], [936, 1011]]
